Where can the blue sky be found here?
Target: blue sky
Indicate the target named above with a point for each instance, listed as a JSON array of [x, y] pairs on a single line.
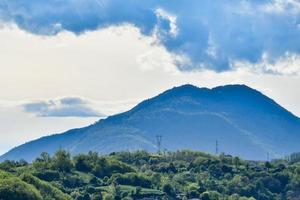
[[67, 63], [209, 34]]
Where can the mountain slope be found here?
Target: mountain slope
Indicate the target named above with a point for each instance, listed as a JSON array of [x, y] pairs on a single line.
[[244, 121]]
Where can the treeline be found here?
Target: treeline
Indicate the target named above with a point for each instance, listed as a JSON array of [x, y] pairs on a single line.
[[294, 158], [141, 175]]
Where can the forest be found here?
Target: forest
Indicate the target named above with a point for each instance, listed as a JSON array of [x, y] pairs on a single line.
[[143, 175]]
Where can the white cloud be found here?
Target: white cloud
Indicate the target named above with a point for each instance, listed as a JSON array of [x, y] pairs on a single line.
[[171, 18], [63, 107], [283, 7], [113, 68], [289, 64], [157, 59], [18, 127], [208, 33]]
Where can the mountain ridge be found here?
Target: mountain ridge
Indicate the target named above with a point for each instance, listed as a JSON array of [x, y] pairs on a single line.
[[188, 117]]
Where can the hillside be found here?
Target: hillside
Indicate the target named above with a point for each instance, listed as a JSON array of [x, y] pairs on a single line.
[[141, 175], [245, 122]]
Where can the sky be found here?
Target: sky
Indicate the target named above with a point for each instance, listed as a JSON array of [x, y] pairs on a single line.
[[67, 64]]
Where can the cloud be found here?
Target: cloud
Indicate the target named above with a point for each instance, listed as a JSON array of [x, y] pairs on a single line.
[[27, 127], [204, 34], [64, 107], [289, 64]]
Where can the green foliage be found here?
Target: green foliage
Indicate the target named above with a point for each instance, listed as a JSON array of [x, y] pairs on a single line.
[[211, 195], [47, 175], [47, 190], [295, 157], [138, 175], [132, 179], [107, 167], [83, 163], [168, 189], [9, 165], [13, 188], [62, 161], [108, 197]]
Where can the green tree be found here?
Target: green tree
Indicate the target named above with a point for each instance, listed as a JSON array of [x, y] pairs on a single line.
[[168, 189], [62, 161], [236, 161], [83, 163], [268, 165]]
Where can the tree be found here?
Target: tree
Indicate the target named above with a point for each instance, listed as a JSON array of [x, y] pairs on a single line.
[[168, 189], [43, 162], [297, 170], [236, 161], [268, 165], [62, 161], [82, 163]]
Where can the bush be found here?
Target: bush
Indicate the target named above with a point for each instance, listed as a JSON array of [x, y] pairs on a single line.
[[72, 181], [96, 196], [168, 189], [107, 167], [211, 195], [12, 188], [108, 197], [47, 175], [46, 189], [132, 179]]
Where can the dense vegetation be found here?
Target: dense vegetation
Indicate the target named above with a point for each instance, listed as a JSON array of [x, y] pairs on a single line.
[[141, 175]]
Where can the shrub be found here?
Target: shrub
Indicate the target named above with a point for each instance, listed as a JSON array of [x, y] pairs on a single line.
[[13, 188], [108, 197], [47, 175], [132, 179], [46, 189]]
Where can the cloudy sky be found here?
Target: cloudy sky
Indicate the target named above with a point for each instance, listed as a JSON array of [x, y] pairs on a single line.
[[68, 63]]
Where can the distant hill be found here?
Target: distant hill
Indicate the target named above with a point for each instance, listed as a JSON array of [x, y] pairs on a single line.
[[245, 123]]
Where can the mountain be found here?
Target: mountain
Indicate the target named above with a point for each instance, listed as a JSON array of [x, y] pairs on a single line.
[[245, 123]]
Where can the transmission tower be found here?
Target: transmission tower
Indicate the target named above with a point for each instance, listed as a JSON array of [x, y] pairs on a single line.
[[158, 142], [217, 147]]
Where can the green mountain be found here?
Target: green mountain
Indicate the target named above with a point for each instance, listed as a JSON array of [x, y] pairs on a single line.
[[245, 123]]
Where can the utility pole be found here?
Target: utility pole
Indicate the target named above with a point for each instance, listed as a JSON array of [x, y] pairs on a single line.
[[217, 147], [158, 142], [268, 156]]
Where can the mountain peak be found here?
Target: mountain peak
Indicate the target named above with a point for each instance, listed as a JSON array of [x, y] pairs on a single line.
[[192, 89], [188, 117], [235, 93], [186, 86], [236, 88], [186, 89], [230, 91]]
